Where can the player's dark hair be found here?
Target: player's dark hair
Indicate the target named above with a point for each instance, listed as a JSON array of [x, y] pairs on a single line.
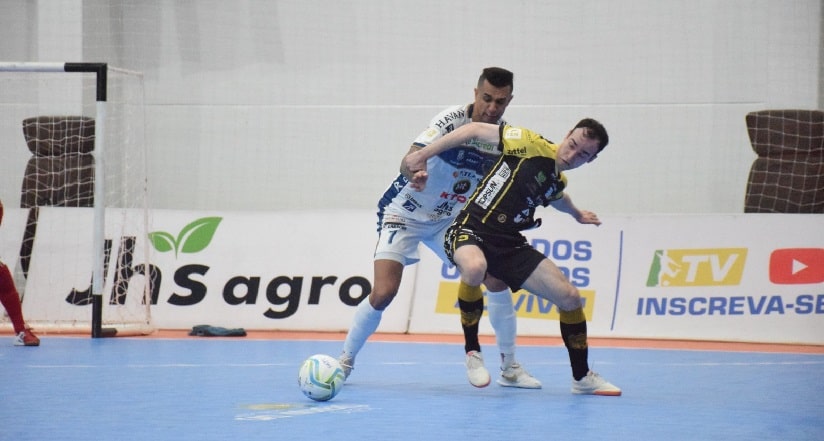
[[594, 130], [497, 76]]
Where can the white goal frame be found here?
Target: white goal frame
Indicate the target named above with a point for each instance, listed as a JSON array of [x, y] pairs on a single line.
[[98, 260]]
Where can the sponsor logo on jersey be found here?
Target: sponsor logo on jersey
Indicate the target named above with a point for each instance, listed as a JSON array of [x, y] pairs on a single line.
[[492, 186], [489, 191], [464, 174], [462, 186], [453, 197], [483, 146], [450, 118], [409, 206], [697, 267], [522, 216], [518, 151], [430, 134], [513, 133], [794, 266], [551, 191]]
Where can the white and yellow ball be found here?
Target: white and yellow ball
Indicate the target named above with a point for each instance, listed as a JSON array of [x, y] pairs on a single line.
[[321, 377]]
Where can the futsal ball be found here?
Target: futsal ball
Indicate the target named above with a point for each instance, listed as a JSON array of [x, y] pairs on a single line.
[[321, 377]]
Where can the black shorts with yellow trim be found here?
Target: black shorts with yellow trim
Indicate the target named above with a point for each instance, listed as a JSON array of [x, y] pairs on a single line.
[[509, 256]]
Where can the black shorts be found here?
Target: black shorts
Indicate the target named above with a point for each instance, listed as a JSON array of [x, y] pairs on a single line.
[[509, 257]]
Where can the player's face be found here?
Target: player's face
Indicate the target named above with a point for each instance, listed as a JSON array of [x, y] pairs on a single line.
[[490, 103], [576, 150]]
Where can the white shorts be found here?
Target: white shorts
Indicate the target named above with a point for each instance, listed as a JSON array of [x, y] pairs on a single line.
[[399, 239]]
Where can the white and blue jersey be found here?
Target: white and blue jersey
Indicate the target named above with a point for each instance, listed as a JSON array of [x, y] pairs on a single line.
[[407, 217]]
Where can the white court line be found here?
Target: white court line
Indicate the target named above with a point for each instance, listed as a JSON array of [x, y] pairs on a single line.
[[420, 363]]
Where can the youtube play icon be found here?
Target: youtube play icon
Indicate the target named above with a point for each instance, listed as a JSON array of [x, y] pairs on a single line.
[[794, 266]]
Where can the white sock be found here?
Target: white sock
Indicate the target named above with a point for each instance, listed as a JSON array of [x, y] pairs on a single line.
[[503, 320], [365, 323]]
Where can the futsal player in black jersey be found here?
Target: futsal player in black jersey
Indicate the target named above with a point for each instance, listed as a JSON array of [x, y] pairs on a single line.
[[486, 235]]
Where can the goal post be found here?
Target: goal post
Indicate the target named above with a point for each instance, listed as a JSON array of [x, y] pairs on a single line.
[[83, 123]]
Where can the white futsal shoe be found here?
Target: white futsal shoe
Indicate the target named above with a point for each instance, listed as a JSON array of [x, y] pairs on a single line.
[[347, 363], [594, 384], [516, 376], [476, 371]]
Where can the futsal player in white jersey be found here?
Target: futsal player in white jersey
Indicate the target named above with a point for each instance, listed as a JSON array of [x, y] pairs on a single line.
[[407, 218]]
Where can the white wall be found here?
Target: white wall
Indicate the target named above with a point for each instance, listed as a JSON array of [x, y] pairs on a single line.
[[294, 104]]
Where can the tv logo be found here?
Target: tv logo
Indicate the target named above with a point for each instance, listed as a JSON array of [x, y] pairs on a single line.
[[796, 266], [697, 267]]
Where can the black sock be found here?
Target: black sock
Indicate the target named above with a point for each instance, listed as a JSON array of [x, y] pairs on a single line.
[[470, 317], [575, 340]]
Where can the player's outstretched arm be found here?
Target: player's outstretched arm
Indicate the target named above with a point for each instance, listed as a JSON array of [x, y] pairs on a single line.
[[565, 205], [415, 162]]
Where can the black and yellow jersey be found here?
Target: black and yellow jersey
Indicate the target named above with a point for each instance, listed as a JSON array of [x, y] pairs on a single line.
[[523, 179]]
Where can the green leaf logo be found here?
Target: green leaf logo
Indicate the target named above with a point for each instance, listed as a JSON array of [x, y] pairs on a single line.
[[193, 238]]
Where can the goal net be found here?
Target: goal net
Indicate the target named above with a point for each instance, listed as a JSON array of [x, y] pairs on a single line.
[[74, 140], [788, 174]]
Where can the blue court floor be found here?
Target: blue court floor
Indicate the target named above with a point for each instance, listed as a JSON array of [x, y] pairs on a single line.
[[76, 388]]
